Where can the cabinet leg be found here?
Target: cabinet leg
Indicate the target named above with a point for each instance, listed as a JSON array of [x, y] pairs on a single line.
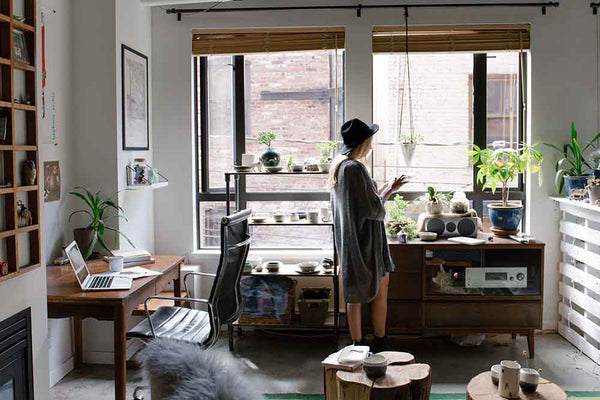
[[531, 343], [230, 331]]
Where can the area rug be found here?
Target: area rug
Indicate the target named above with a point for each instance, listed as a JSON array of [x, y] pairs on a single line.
[[435, 396]]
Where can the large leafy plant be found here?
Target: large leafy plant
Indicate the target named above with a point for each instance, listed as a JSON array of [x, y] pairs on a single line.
[[396, 211], [100, 209], [573, 161], [499, 167]]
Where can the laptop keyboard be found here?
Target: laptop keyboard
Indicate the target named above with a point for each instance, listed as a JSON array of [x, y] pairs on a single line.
[[101, 282]]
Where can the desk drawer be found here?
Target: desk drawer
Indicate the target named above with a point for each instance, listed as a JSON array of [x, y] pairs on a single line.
[[483, 314]]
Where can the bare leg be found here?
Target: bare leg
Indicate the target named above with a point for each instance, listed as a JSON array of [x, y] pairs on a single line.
[[355, 321], [379, 307]]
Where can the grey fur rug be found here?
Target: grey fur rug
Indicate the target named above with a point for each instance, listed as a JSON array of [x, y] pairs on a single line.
[[183, 371]]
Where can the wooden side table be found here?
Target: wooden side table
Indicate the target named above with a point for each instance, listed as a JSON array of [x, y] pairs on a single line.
[[482, 388]]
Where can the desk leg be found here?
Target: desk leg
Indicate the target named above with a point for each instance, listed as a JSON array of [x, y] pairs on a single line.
[[78, 339], [531, 343], [120, 353]]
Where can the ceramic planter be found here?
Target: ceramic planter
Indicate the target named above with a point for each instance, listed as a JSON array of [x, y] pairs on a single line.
[[597, 173], [434, 208], [324, 167], [575, 183], [505, 218], [408, 150], [83, 238], [594, 195], [270, 157]]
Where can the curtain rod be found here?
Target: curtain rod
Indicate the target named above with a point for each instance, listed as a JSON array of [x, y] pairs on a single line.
[[360, 7]]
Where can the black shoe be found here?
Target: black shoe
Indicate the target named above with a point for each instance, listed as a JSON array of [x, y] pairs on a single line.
[[379, 344]]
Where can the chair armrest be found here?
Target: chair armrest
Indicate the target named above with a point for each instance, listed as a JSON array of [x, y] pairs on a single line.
[[210, 306], [185, 286]]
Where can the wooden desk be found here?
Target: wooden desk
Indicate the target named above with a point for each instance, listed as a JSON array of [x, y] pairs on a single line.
[[66, 299]]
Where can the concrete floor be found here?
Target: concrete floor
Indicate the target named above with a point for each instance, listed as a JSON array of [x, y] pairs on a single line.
[[289, 364]]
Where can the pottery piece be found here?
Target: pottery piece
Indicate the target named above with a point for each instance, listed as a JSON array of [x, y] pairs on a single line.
[[296, 168], [505, 218], [508, 386], [408, 150], [594, 195], [248, 160], [495, 372], [529, 379], [313, 217], [324, 167], [270, 157], [375, 366], [427, 236], [278, 216], [575, 183], [83, 238], [294, 217], [434, 208]]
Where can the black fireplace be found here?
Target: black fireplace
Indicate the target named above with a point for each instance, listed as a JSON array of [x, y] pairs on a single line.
[[16, 366]]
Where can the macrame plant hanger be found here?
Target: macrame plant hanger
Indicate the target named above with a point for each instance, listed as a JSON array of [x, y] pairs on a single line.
[[408, 142]]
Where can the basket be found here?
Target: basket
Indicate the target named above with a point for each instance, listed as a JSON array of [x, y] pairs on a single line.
[[314, 306], [287, 318]]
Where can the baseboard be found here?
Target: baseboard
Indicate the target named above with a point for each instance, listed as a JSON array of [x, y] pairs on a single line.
[[108, 357], [550, 326], [61, 371]]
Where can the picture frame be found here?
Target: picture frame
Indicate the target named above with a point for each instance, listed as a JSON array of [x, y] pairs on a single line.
[[134, 99], [20, 52]]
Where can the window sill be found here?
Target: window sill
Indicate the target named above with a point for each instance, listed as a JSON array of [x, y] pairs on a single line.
[[291, 256]]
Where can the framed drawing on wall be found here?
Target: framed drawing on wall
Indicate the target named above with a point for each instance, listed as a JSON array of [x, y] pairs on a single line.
[[134, 97]]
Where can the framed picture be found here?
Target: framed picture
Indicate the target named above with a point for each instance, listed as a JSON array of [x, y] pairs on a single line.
[[51, 181], [20, 52], [136, 130], [3, 129]]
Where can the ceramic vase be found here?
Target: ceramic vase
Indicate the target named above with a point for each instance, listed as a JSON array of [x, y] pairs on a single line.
[[575, 183], [505, 218], [508, 386], [83, 237], [270, 157], [434, 207], [408, 150], [594, 195]]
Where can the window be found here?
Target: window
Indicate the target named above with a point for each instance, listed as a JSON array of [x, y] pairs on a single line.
[[296, 94], [459, 98]]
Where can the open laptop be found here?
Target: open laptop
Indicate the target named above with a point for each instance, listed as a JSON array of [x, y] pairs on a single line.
[[88, 281]]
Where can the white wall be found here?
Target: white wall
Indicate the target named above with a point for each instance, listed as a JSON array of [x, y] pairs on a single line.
[[563, 89]]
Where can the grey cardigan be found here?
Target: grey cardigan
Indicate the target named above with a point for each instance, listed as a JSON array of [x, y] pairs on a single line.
[[359, 232]]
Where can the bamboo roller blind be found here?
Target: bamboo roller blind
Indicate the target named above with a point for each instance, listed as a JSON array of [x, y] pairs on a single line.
[[266, 40], [391, 39]]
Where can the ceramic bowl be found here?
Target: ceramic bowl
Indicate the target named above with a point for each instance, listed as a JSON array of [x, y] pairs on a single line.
[[278, 216], [308, 266], [529, 379], [273, 169], [259, 217], [495, 371], [296, 167], [375, 366], [427, 236], [324, 167], [272, 266]]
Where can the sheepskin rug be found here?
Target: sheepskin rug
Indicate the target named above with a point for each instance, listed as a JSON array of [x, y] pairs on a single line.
[[183, 371]]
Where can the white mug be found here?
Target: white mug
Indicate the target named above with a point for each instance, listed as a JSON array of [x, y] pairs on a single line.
[[115, 263], [248, 160], [325, 216], [313, 217], [508, 387]]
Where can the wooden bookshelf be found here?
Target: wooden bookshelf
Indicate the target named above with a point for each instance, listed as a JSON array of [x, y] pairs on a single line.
[[19, 246]]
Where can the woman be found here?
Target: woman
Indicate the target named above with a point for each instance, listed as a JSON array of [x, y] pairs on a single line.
[[360, 237]]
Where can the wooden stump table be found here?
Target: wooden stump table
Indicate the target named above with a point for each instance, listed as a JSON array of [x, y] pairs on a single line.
[[482, 388]]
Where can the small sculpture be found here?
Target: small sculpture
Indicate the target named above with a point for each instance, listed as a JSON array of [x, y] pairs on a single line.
[[29, 173], [25, 217]]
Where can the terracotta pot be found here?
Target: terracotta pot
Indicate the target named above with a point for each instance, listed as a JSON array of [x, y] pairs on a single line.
[[594, 195], [83, 238]]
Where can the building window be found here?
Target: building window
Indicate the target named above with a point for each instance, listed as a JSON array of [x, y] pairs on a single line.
[[297, 95]]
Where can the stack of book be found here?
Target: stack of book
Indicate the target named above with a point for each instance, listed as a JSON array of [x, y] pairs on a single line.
[[134, 257]]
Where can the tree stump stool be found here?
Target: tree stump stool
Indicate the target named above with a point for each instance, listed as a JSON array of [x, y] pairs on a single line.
[[401, 382], [330, 379], [482, 388]]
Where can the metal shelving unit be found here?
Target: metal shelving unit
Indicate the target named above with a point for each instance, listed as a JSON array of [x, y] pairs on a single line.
[[333, 322]]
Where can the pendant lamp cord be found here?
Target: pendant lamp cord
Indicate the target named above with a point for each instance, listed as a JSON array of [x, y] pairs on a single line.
[[406, 78]]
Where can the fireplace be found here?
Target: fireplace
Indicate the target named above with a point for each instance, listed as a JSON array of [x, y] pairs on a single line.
[[16, 366]]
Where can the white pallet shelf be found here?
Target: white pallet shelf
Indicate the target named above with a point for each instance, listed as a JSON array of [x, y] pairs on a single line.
[[579, 282]]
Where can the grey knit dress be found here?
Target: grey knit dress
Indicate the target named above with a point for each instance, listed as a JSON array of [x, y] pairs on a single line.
[[360, 238]]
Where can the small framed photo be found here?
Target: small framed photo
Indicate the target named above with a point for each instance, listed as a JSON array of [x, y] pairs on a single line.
[[136, 130], [20, 52], [3, 129]]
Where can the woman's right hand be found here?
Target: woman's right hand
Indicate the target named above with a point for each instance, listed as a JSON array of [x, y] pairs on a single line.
[[392, 186]]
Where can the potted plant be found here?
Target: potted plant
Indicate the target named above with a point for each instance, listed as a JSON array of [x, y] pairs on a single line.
[[327, 150], [434, 201], [100, 209], [572, 169], [396, 212], [498, 168], [270, 157], [593, 187], [409, 144]]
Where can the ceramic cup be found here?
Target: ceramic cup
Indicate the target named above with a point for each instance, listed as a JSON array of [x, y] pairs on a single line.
[[529, 379], [278, 216], [325, 214], [248, 160], [508, 386], [495, 371], [313, 217], [375, 366], [115, 264]]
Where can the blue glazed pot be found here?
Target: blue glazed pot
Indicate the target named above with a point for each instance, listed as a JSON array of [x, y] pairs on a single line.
[[270, 157], [506, 219], [597, 173], [575, 183]]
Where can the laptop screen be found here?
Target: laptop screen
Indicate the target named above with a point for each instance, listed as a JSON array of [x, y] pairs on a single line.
[[77, 262]]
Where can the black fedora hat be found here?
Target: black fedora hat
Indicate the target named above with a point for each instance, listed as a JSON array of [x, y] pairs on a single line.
[[354, 133]]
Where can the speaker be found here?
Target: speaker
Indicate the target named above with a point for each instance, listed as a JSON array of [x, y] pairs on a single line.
[[452, 226]]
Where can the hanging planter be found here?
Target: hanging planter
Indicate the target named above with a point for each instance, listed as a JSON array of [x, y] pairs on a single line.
[[408, 151]]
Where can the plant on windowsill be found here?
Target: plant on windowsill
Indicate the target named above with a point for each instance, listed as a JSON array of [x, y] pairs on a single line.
[[100, 209], [270, 157], [498, 168], [327, 150], [396, 212], [434, 201], [572, 170]]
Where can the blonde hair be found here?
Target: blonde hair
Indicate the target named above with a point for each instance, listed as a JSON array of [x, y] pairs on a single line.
[[359, 153]]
